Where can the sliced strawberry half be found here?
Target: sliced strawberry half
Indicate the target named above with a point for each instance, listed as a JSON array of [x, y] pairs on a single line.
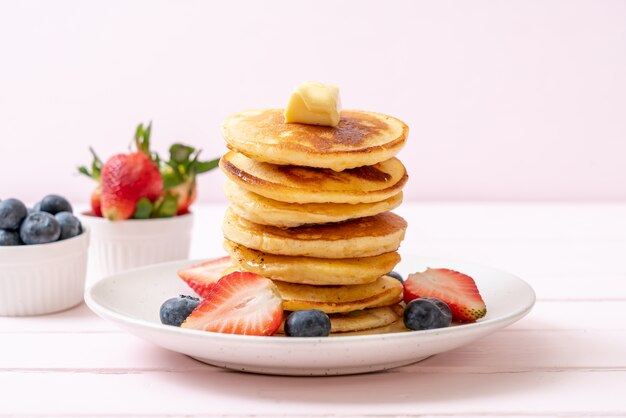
[[240, 303], [202, 277], [456, 289]]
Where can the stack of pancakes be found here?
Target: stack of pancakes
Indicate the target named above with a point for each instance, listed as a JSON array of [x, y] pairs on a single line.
[[310, 210]]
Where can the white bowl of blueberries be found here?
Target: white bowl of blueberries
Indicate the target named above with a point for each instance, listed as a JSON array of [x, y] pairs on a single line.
[[43, 257]]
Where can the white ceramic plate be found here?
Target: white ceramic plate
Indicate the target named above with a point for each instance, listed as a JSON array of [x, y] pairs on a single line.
[[132, 300]]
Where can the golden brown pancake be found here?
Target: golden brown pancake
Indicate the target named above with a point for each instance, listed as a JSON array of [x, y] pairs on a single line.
[[397, 326], [310, 270], [293, 184], [262, 210], [390, 296], [295, 296], [362, 138], [366, 319], [363, 237], [362, 320]]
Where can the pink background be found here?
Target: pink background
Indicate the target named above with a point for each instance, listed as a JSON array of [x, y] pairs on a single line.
[[506, 100]]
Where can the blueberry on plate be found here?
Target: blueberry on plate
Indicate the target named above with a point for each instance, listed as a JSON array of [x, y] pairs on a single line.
[[427, 313], [309, 323], [54, 204], [9, 237], [396, 276], [12, 213], [174, 311], [70, 225], [40, 228]]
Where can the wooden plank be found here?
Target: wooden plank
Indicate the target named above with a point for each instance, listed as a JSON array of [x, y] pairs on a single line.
[[78, 319], [516, 351], [216, 392], [578, 315], [101, 352]]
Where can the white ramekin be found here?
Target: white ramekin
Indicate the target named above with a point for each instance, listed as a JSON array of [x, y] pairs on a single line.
[[122, 245], [45, 278]]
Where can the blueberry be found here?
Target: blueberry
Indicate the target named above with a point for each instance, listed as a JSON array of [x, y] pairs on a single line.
[[396, 275], [40, 228], [427, 313], [174, 311], [37, 207], [12, 213], [70, 225], [311, 323], [54, 204], [9, 237]]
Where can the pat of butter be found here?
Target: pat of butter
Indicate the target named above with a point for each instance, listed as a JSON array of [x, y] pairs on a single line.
[[314, 103]]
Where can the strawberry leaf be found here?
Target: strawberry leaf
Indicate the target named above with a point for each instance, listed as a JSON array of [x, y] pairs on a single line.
[[184, 165], [180, 153], [83, 170], [96, 167], [144, 209], [166, 207], [142, 139], [171, 178], [204, 166]]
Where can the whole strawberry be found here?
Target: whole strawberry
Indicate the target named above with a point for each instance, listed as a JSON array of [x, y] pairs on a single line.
[[127, 178]]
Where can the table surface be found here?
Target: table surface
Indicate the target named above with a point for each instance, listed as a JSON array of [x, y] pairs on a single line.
[[567, 357]]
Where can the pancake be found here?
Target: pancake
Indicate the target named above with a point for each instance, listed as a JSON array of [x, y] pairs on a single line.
[[310, 270], [335, 294], [366, 319], [262, 210], [362, 320], [363, 237], [293, 184], [397, 326], [362, 138], [293, 294]]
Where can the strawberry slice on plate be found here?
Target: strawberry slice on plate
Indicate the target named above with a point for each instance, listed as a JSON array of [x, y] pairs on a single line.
[[202, 277], [240, 303], [456, 289]]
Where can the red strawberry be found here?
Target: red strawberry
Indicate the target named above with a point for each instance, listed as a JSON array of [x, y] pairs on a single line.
[[240, 303], [96, 209], [456, 289], [202, 277], [126, 178]]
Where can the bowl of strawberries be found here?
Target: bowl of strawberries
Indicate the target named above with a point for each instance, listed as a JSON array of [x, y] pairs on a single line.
[[140, 208]]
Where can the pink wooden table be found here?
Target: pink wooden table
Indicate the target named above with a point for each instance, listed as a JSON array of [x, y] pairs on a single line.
[[568, 357]]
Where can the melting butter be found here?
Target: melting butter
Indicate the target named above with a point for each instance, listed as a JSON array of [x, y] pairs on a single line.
[[314, 103]]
